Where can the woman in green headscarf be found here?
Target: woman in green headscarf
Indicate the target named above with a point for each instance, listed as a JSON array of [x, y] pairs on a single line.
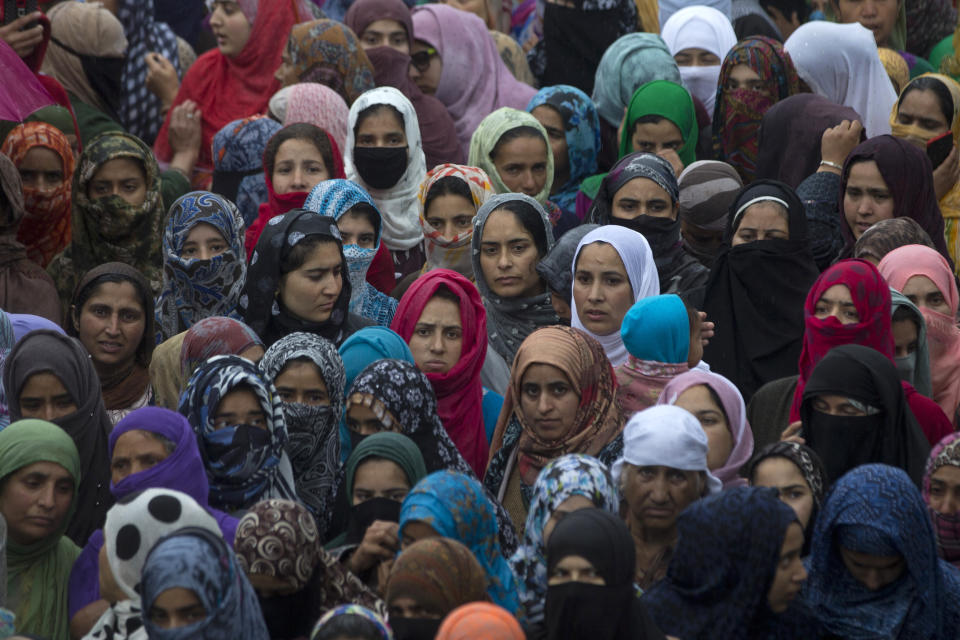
[[39, 474]]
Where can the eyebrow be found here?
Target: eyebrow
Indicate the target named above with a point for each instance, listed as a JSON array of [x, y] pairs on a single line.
[[833, 301], [431, 325], [510, 241]]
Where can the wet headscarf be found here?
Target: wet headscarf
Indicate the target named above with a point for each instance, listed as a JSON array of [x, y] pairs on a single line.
[[487, 136], [700, 27], [480, 620], [459, 391], [37, 573], [915, 367], [738, 113], [582, 134], [756, 293], [46, 351], [313, 445], [263, 311], [556, 268], [888, 433], [840, 62], [194, 288], [45, 228], [788, 145], [877, 510], [203, 563], [452, 253], [510, 320], [455, 506], [871, 298], [244, 463], [574, 474], [109, 229], [328, 52], [335, 198], [629, 63], [707, 189], [238, 163], [474, 81], [946, 526], [638, 262], [723, 566], [943, 336], [319, 105], [667, 100]]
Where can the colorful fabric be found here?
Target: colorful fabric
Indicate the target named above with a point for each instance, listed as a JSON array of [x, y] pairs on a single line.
[[313, 445], [37, 573], [204, 564], [238, 153], [455, 506], [279, 539], [335, 198], [876, 509], [378, 622], [668, 100], [194, 288], [241, 468], [459, 391], [45, 229], [573, 474], [452, 253], [736, 119], [320, 106], [439, 574], [946, 526], [480, 620], [474, 82], [328, 52]]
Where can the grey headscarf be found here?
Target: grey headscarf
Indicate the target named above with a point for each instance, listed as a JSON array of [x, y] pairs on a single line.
[[555, 268], [914, 368]]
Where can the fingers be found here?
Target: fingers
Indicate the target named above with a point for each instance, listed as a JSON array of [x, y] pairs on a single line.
[[790, 433]]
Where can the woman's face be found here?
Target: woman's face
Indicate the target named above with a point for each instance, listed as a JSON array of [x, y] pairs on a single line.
[[552, 121], [381, 129], [437, 339], [385, 33], [655, 137], [762, 221], [135, 451], [123, 177], [880, 16], [302, 382], [285, 74], [35, 500], [44, 397], [601, 289], [837, 302], [655, 495], [924, 293], [203, 243], [574, 569], [790, 572], [643, 197], [111, 324], [945, 489], [743, 77], [699, 401], [867, 199], [175, 608], [905, 337], [239, 407], [522, 164], [509, 257], [549, 402], [835, 405], [784, 476], [696, 57], [361, 419], [230, 27], [355, 228], [427, 67], [297, 167], [920, 107], [311, 291], [873, 572], [379, 478], [41, 169], [450, 214]]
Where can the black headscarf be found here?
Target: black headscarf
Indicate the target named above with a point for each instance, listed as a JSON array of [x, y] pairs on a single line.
[[45, 351], [756, 295], [263, 311], [579, 610], [891, 435]]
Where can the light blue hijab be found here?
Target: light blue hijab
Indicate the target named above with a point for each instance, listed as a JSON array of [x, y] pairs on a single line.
[[629, 63]]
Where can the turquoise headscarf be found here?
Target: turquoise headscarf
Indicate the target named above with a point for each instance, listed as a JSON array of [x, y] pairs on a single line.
[[657, 329]]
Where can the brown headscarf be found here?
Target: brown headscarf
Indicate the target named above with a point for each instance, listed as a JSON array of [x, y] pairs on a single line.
[[599, 419], [328, 52], [887, 235], [440, 574]]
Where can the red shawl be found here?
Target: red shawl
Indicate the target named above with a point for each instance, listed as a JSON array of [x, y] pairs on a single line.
[[459, 391]]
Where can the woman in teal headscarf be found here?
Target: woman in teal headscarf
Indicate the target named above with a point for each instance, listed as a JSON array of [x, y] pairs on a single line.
[[39, 558]]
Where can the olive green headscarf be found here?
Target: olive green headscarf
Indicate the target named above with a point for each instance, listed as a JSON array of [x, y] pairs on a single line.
[[488, 134], [38, 573], [391, 446]]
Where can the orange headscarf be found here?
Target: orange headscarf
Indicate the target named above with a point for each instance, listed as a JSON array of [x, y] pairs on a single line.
[[480, 620]]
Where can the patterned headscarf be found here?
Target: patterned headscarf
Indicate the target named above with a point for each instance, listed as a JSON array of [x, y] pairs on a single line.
[[946, 526], [440, 574], [318, 105], [45, 229], [452, 253], [736, 119], [241, 472], [455, 506], [328, 52], [238, 159], [194, 289], [279, 539], [877, 509], [313, 444], [574, 474], [205, 564], [582, 132]]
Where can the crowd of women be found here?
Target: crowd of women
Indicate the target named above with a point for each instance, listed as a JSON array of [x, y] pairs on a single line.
[[354, 319]]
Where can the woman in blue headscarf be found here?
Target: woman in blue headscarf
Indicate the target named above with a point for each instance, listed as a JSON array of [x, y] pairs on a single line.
[[238, 163], [453, 505]]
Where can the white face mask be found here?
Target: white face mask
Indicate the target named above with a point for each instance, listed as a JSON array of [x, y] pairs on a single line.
[[701, 82]]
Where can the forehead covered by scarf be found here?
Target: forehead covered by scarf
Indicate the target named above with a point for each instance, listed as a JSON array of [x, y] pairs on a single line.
[[598, 536], [886, 235], [439, 574], [387, 445], [363, 13], [215, 336], [238, 163], [581, 129], [667, 100], [328, 52], [771, 191], [336, 197], [903, 263], [707, 189], [803, 457], [487, 135], [354, 610], [279, 539], [317, 350], [944, 453], [480, 190], [630, 167], [700, 27]]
